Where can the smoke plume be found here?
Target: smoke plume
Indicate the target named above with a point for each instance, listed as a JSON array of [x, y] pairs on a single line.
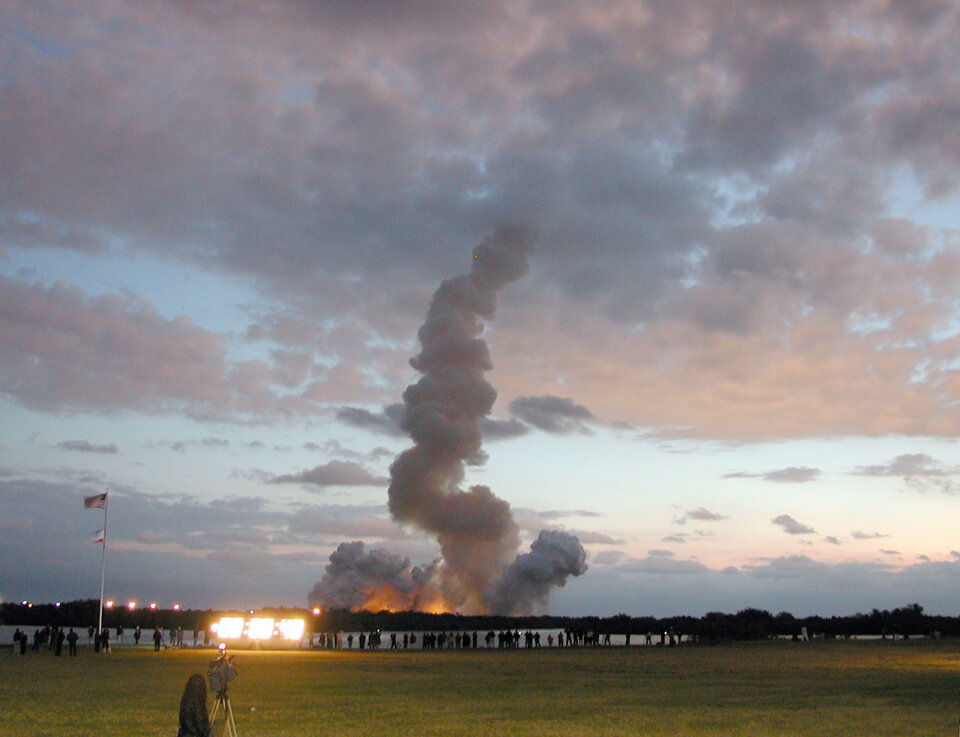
[[356, 578], [443, 413], [525, 586]]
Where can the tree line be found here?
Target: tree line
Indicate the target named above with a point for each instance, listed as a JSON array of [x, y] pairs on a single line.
[[747, 624]]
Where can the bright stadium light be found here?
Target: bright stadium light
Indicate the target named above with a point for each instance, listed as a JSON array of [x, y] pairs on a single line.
[[316, 611], [176, 607], [291, 629], [228, 628], [260, 628], [131, 605], [108, 604]]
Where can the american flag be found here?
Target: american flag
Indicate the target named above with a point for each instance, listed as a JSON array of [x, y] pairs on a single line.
[[97, 501]]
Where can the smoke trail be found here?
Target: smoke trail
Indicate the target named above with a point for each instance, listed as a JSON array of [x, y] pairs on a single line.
[[443, 415]]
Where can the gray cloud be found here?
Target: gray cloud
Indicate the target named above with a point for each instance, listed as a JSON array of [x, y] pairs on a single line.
[[560, 415], [908, 464], [664, 565], [386, 421], [85, 446], [503, 429], [860, 535], [791, 526], [701, 515], [333, 473], [791, 474]]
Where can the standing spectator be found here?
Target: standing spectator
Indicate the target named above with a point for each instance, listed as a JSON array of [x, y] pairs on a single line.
[[72, 638]]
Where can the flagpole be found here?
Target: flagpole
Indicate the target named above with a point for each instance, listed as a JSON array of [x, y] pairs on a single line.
[[103, 564]]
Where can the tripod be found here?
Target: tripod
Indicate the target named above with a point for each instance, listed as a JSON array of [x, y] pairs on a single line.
[[222, 703]]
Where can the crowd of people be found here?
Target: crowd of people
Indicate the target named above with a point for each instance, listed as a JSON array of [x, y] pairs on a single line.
[[54, 638], [504, 639], [46, 638]]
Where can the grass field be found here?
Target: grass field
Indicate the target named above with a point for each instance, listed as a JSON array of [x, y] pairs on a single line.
[[771, 688]]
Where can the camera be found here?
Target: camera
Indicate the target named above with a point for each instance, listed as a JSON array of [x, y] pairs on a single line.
[[221, 671]]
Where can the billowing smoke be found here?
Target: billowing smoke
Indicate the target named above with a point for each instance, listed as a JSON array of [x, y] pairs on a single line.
[[525, 585], [443, 413], [357, 578]]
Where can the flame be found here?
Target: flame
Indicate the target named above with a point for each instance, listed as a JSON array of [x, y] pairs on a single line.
[[385, 598], [390, 599]]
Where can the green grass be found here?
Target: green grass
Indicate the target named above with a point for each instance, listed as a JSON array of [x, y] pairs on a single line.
[[755, 689]]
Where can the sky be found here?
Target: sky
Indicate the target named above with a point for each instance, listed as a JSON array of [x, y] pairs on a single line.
[[731, 371]]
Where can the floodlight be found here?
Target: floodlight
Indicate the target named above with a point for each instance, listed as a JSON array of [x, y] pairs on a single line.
[[260, 628], [108, 604], [291, 629], [228, 628], [131, 605]]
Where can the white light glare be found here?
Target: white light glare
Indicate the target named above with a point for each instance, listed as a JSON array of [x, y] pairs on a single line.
[[291, 629], [229, 628], [260, 628]]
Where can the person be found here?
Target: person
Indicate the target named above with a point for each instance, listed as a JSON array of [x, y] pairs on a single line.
[[157, 638], [105, 640], [194, 721], [72, 638], [136, 635], [58, 648]]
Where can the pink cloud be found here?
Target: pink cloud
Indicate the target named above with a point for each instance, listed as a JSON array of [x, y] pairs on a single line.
[[62, 349]]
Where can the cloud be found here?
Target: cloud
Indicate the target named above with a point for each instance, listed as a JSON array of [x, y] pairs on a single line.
[[104, 352], [663, 565], [832, 540], [85, 446], [559, 415], [561, 513], [792, 566], [791, 474], [860, 535], [590, 537], [701, 515], [908, 464], [336, 522], [669, 263], [920, 472], [386, 421], [334, 473], [791, 526], [503, 429]]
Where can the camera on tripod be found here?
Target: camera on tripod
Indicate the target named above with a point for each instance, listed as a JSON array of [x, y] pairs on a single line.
[[221, 671]]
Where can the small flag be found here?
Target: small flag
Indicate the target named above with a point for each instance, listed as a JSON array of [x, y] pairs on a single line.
[[97, 501], [98, 536]]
